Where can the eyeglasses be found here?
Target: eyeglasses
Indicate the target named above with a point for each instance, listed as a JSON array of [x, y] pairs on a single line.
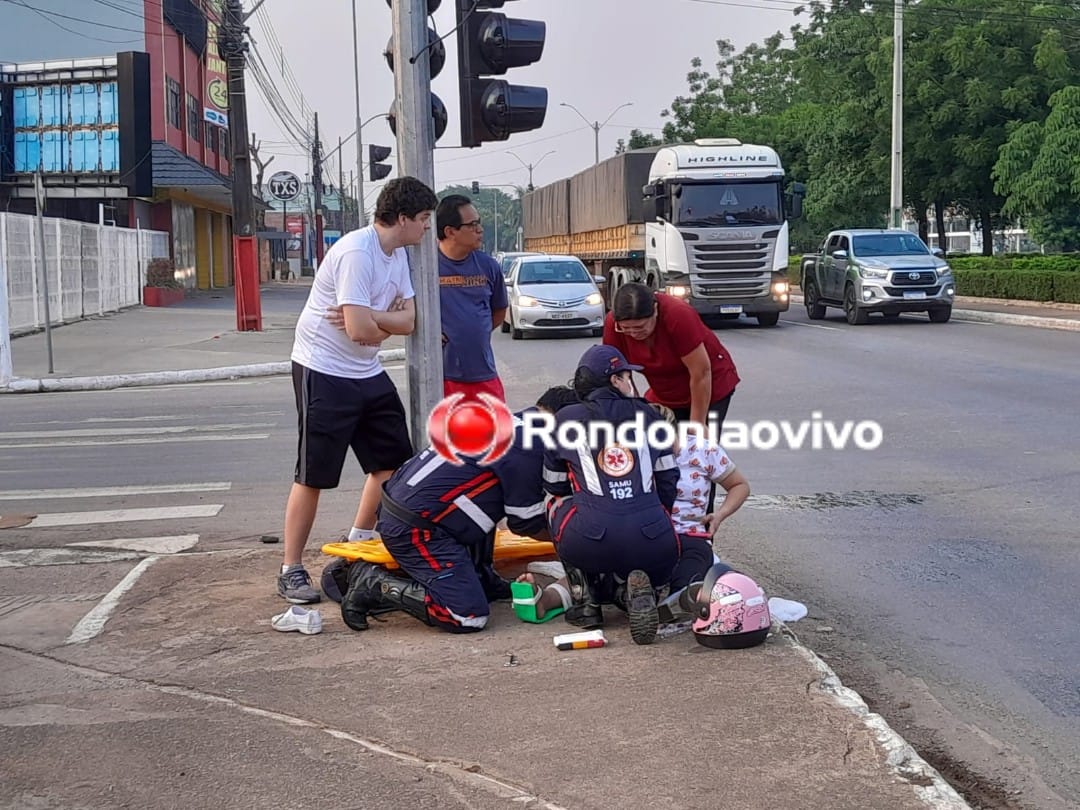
[[634, 327], [474, 225]]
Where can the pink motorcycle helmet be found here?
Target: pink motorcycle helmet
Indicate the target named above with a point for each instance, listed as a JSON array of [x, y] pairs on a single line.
[[731, 612]]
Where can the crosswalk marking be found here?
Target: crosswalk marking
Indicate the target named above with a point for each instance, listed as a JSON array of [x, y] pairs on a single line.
[[173, 544], [84, 433], [210, 437], [125, 515], [109, 492], [34, 557], [94, 622]]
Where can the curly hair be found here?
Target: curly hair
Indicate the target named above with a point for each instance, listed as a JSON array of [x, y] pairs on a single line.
[[404, 196], [557, 397]]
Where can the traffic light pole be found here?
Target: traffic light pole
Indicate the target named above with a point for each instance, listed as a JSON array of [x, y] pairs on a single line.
[[245, 249], [416, 157]]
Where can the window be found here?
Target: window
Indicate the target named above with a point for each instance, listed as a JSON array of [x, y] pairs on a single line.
[[890, 244], [172, 99], [709, 205], [223, 144], [553, 273], [194, 118], [210, 137]]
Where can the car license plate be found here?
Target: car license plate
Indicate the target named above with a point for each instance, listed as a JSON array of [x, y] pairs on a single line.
[[731, 309], [562, 316], [914, 294]]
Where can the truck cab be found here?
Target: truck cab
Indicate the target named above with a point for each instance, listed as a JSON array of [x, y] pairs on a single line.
[[718, 228]]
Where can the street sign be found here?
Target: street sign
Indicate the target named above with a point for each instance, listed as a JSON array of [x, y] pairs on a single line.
[[284, 186]]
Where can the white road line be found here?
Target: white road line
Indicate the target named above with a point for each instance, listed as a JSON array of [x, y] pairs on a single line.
[[94, 622], [109, 492], [816, 326], [173, 544], [132, 431], [235, 437], [124, 515], [34, 557]]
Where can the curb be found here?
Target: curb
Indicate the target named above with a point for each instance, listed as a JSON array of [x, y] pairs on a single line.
[[929, 785], [1005, 318], [20, 385]]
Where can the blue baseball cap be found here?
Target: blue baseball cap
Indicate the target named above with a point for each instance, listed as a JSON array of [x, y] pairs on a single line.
[[603, 361]]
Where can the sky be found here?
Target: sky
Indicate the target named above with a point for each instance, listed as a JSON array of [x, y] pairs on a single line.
[[599, 55]]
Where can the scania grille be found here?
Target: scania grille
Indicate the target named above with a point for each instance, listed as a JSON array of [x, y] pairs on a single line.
[[735, 270]]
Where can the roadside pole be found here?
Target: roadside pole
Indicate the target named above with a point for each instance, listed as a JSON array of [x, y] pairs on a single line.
[[43, 261], [416, 157]]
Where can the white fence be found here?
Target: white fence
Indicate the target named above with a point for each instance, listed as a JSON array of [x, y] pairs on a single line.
[[92, 269]]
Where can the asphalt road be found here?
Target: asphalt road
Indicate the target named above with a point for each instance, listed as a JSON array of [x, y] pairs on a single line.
[[937, 568]]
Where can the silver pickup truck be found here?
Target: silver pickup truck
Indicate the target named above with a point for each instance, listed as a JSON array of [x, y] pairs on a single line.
[[877, 270]]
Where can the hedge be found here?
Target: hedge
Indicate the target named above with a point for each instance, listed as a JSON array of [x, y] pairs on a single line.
[[1023, 278]]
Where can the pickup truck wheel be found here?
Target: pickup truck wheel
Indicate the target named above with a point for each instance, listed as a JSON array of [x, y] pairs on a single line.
[[815, 310], [768, 318], [940, 315], [856, 315]]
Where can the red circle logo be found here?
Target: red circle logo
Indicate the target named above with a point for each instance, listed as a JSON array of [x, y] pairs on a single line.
[[475, 427]]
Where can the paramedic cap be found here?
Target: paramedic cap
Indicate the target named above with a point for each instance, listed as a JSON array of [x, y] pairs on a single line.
[[603, 361]]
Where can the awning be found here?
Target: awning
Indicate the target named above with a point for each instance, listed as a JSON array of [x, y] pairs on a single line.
[[174, 170]]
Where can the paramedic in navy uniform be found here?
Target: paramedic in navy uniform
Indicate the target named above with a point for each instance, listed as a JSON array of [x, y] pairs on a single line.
[[437, 520], [610, 517]]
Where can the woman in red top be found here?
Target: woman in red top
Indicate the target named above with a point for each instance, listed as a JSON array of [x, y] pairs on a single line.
[[686, 366]]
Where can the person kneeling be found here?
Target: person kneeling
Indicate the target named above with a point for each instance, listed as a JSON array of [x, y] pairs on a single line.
[[438, 519]]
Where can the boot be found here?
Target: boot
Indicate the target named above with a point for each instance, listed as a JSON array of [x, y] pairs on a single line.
[[584, 610], [407, 595], [364, 594], [641, 608]]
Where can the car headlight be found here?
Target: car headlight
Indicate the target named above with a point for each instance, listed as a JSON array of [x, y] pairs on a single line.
[[595, 300], [872, 272], [526, 301], [944, 271]]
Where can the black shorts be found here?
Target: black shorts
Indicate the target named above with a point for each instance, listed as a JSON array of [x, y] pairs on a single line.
[[336, 413]]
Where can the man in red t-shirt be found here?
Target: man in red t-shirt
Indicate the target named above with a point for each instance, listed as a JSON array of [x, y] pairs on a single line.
[[686, 366]]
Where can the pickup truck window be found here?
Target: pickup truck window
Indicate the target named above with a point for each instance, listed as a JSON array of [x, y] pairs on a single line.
[[723, 204], [890, 244]]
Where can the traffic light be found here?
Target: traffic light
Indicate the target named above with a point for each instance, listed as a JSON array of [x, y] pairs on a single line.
[[475, 187], [489, 44], [436, 61], [377, 170]]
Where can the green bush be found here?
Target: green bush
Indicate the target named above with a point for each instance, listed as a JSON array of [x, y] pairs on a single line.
[[1067, 288], [1064, 262], [1022, 285]]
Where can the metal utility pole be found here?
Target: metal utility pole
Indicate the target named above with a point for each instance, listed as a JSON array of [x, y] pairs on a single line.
[[359, 139], [232, 45], [352, 183], [896, 216], [531, 166], [43, 260], [416, 157], [342, 227], [317, 186], [596, 126]]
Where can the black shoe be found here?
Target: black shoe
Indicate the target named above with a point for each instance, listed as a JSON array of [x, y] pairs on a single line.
[[585, 611], [364, 594], [641, 608]]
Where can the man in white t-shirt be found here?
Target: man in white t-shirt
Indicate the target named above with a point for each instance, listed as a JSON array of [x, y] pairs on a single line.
[[344, 397]]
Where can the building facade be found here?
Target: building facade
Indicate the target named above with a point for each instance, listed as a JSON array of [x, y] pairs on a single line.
[[137, 138]]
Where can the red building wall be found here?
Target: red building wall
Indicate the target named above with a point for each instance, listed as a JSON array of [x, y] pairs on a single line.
[[170, 57]]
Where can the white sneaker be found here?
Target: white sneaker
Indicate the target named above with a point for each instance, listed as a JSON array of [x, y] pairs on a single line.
[[547, 568], [308, 622]]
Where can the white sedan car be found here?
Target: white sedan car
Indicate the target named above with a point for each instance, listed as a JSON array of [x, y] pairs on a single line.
[[552, 294]]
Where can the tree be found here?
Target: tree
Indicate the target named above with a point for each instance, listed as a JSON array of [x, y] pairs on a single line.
[[1038, 171], [486, 202]]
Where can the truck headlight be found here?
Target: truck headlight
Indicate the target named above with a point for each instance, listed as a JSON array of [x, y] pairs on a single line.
[[595, 300], [780, 288], [872, 272], [678, 292]]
